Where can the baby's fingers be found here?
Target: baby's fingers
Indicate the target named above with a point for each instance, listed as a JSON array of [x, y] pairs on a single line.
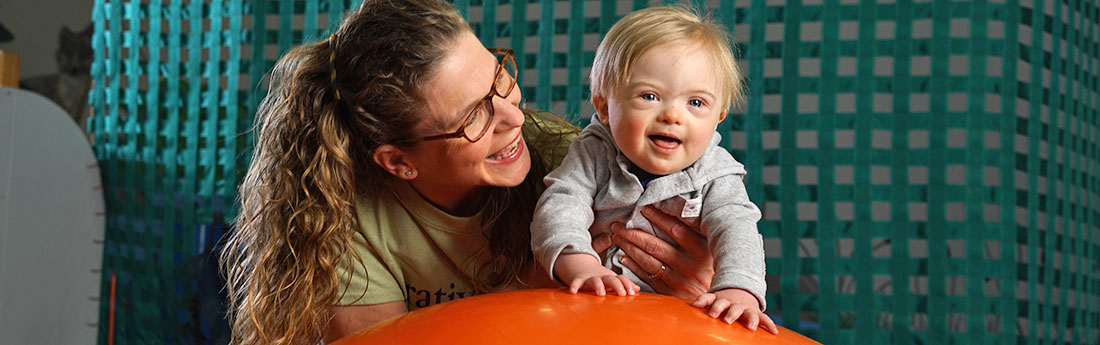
[[751, 320], [576, 285], [768, 324], [629, 288], [613, 285], [734, 313], [718, 306], [587, 284], [704, 300], [597, 286]]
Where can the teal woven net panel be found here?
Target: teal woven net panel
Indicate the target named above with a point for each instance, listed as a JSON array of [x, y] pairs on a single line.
[[928, 170], [176, 87]]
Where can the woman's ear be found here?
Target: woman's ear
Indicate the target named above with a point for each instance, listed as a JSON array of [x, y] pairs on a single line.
[[600, 102], [395, 161]]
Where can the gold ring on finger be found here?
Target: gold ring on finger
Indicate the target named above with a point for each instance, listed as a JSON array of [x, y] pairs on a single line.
[[659, 273]]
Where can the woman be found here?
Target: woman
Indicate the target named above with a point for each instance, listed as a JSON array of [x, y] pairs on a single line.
[[395, 170]]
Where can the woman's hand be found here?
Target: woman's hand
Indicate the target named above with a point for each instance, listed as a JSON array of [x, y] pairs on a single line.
[[682, 270]]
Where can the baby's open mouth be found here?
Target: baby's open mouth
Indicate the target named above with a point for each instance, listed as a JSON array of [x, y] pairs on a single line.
[[664, 141]]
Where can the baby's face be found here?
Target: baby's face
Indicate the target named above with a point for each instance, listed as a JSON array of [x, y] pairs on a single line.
[[665, 115]]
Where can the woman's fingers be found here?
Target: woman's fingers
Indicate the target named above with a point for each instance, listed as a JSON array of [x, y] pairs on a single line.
[[662, 284], [691, 250], [645, 249], [691, 259], [684, 235], [689, 265], [601, 242]]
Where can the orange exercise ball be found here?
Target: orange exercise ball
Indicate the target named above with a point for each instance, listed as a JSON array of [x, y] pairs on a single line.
[[554, 316]]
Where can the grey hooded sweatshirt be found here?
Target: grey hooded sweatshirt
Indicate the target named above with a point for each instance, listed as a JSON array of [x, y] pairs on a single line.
[[594, 188]]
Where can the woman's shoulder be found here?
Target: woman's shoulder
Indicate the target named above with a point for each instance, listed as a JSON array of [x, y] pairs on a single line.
[[379, 211]]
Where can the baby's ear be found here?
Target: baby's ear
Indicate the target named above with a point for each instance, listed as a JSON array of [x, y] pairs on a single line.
[[722, 116], [600, 102]]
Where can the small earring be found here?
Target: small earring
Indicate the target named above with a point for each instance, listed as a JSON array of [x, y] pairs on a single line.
[[408, 173]]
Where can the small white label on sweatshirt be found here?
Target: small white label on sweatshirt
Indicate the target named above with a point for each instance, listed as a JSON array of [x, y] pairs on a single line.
[[692, 208]]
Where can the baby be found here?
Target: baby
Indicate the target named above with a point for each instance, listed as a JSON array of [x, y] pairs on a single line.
[[662, 80]]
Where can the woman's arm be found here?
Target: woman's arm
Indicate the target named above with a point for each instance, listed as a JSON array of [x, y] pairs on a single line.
[[688, 265], [348, 319]]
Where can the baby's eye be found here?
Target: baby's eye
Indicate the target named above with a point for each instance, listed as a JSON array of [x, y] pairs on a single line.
[[696, 103], [649, 96]]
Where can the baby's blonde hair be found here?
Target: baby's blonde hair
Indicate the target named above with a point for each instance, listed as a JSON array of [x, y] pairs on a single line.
[[640, 31]]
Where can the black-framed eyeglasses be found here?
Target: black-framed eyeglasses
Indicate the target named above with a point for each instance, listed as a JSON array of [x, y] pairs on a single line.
[[476, 122]]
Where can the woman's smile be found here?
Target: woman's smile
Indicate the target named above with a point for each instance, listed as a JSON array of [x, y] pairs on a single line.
[[509, 153]]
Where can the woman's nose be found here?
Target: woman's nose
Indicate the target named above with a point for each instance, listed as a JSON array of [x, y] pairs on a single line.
[[515, 96], [507, 110]]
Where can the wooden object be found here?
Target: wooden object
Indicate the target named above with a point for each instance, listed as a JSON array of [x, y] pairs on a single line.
[[9, 69]]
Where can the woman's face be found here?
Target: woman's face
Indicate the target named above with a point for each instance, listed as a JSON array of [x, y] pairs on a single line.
[[456, 166]]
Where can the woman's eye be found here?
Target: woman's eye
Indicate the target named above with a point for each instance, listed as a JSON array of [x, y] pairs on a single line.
[[649, 97], [476, 115], [696, 103], [502, 82]]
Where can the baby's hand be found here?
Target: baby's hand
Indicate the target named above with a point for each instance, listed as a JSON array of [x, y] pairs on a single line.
[[738, 305], [584, 272], [600, 283]]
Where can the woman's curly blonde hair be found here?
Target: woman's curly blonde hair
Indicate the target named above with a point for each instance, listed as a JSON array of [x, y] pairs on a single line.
[[330, 105]]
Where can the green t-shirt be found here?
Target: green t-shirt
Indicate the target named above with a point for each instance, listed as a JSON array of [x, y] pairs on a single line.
[[417, 253], [413, 251]]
